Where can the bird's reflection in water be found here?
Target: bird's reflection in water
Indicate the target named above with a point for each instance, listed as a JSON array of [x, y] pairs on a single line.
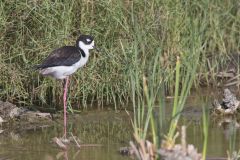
[[64, 155]]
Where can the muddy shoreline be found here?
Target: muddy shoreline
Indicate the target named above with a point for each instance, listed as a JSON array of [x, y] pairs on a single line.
[[18, 119]]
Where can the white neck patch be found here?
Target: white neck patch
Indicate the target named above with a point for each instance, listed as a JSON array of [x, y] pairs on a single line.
[[86, 47]]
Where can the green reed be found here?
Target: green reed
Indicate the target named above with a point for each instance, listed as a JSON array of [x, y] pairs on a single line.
[[205, 122], [233, 151], [147, 91]]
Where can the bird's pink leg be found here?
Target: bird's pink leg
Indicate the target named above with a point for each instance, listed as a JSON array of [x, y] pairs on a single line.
[[65, 106]]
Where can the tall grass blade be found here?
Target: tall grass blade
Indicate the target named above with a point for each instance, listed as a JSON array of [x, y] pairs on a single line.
[[205, 122]]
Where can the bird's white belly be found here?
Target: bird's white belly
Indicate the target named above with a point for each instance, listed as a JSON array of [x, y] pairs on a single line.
[[61, 72]]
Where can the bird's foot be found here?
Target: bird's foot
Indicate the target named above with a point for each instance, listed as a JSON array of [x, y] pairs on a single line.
[[60, 143], [64, 142]]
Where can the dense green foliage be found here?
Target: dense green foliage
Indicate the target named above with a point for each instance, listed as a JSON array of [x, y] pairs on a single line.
[[141, 37]]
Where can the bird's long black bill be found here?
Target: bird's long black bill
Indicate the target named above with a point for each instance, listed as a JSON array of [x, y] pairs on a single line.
[[97, 49]]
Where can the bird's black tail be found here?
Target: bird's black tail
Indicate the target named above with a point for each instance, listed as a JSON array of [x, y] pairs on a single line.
[[37, 67]]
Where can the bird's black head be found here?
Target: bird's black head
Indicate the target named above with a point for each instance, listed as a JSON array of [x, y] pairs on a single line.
[[86, 39], [85, 42]]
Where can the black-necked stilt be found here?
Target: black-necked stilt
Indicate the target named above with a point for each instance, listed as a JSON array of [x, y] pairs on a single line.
[[64, 61]]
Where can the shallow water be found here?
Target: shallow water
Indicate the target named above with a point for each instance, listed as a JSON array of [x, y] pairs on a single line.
[[110, 129], [223, 134], [113, 130]]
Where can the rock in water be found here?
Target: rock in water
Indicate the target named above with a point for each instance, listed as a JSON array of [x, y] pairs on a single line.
[[229, 104]]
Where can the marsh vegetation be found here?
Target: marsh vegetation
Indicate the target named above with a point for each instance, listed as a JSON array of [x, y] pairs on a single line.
[[149, 50], [144, 37]]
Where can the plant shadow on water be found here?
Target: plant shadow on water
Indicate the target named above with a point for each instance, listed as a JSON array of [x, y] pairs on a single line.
[[114, 130]]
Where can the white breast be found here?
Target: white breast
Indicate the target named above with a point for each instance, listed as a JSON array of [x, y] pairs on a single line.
[[81, 62]]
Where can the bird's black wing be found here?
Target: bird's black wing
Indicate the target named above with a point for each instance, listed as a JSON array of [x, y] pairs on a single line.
[[64, 56]]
